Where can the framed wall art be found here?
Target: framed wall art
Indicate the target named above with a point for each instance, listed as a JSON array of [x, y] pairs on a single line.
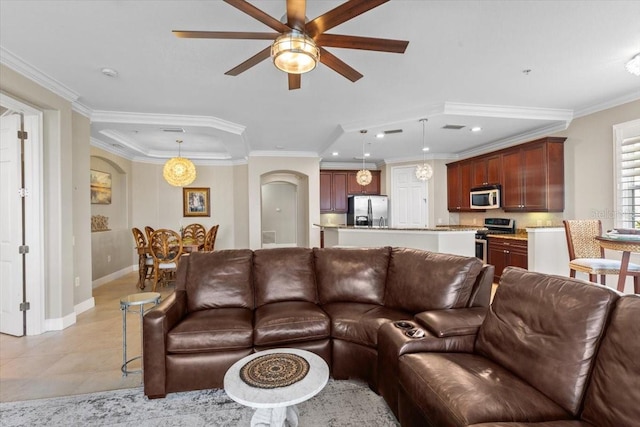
[[100, 187], [195, 201]]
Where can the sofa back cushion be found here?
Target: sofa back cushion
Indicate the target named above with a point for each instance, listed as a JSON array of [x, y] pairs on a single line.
[[351, 275], [284, 274], [546, 329], [219, 279], [421, 280], [613, 395]]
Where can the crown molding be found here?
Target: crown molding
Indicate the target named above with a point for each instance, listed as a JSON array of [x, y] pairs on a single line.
[[611, 103], [101, 116], [80, 108], [515, 140], [507, 111], [280, 153], [32, 73]]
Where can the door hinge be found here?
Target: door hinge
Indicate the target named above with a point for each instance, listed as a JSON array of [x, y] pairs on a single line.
[[23, 249], [24, 306], [23, 134], [23, 192]]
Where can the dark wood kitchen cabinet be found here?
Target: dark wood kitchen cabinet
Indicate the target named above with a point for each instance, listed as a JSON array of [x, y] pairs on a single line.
[[354, 188], [487, 170], [333, 191], [459, 186], [533, 176], [503, 252]]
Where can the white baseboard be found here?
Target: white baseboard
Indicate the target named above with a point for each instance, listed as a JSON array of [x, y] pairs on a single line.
[[110, 277], [60, 323], [84, 306]]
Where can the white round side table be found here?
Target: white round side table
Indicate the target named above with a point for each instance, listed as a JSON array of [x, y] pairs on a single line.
[[129, 304]]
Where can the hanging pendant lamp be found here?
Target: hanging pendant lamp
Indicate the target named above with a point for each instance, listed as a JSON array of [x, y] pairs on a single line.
[[179, 171], [424, 172], [364, 175]]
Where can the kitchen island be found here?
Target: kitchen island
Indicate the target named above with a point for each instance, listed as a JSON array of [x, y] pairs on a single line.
[[458, 240]]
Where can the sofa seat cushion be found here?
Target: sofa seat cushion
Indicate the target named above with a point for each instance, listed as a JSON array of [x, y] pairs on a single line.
[[458, 389], [290, 321], [219, 329], [359, 323]]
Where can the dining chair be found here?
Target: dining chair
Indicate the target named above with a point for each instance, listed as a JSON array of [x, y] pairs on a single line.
[[145, 260], [587, 256], [166, 248], [148, 230], [210, 238], [195, 233]]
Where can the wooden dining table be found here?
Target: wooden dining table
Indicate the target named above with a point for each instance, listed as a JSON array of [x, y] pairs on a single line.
[[626, 245]]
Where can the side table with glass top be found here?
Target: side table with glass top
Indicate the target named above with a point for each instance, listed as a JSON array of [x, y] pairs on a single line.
[[135, 303]]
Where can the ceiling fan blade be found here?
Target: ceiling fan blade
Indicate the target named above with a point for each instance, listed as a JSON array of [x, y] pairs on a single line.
[[258, 14], [365, 43], [294, 81], [224, 35], [254, 60], [338, 65], [340, 14], [296, 10]]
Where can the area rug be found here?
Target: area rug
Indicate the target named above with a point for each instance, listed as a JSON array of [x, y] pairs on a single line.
[[340, 404]]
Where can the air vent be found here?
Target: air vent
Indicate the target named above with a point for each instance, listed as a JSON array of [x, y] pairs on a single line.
[[174, 130], [390, 132], [453, 127]]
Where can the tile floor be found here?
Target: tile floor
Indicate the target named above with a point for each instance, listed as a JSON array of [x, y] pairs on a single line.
[[83, 358]]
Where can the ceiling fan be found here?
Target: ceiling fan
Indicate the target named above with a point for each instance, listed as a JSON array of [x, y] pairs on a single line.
[[299, 45]]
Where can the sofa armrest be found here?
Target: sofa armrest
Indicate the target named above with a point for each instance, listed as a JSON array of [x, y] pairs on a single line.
[[156, 325], [452, 322]]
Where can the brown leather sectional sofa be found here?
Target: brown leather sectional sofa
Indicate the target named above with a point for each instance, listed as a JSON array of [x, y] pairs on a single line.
[[550, 351], [331, 301]]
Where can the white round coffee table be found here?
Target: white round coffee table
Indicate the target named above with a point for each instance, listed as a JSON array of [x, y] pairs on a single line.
[[277, 406]]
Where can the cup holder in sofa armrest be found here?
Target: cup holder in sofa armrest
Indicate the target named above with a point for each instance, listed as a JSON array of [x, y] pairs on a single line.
[[452, 322], [409, 329]]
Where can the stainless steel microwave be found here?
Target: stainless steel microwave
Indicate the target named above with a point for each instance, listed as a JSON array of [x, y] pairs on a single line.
[[485, 197]]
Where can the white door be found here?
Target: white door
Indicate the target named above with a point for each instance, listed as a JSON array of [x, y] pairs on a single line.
[[409, 201], [11, 286]]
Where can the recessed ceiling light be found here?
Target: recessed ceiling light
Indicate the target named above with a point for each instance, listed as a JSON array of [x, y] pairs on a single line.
[[380, 135], [280, 147], [109, 72], [367, 154], [476, 129], [425, 149], [633, 65], [335, 153]]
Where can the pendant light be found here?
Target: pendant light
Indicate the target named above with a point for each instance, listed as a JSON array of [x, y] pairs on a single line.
[[424, 172], [179, 171], [364, 175]]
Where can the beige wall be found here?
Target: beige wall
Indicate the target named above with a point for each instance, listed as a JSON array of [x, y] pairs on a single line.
[[260, 166], [60, 207], [159, 205]]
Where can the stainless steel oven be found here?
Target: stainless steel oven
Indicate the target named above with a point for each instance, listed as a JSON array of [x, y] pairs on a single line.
[[481, 249]]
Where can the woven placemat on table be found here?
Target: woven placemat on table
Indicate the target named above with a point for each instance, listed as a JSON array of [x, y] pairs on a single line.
[[274, 370]]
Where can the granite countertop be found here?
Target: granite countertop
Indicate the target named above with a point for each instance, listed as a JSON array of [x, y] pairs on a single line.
[[438, 228], [516, 236]]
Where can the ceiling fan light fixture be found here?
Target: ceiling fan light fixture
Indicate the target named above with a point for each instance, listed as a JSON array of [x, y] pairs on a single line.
[[179, 171], [295, 53]]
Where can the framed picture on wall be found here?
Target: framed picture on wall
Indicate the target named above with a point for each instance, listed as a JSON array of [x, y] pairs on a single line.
[[195, 201], [100, 187]]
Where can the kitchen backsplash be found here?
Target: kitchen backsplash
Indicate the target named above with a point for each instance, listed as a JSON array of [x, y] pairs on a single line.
[[523, 220]]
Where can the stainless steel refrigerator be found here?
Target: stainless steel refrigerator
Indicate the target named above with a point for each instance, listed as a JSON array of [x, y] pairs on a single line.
[[368, 211]]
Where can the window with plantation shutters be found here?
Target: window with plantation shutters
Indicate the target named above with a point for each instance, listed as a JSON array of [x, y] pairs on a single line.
[[627, 175]]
